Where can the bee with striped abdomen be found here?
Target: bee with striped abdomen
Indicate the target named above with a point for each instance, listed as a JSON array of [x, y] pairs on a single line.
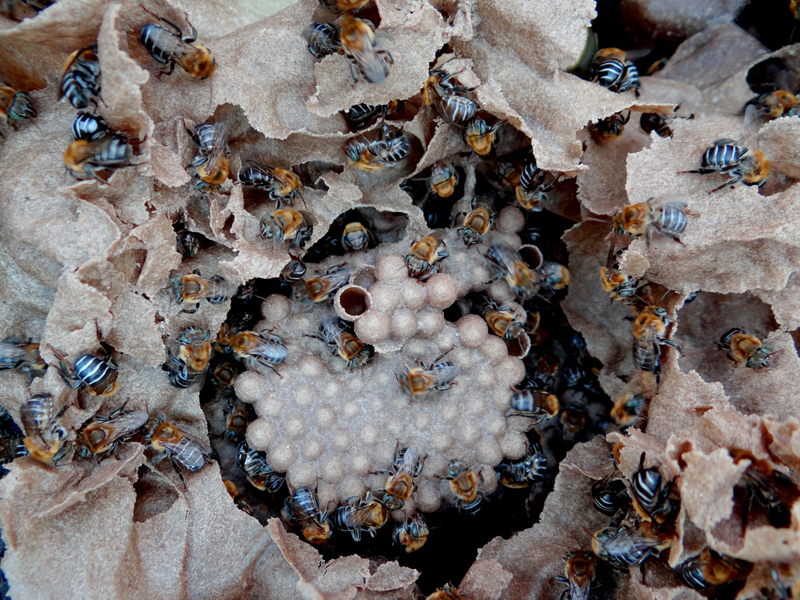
[[376, 155], [650, 496], [425, 257], [628, 546], [440, 375], [710, 568], [88, 127], [520, 278], [80, 77], [171, 47], [302, 508], [44, 433], [97, 374], [504, 322], [258, 472], [288, 224], [745, 349], [210, 166], [406, 465], [323, 39], [293, 272], [412, 533], [617, 284], [532, 189], [22, 355], [338, 335], [610, 69], [610, 496], [357, 514], [103, 434], [322, 287], [521, 473], [668, 218], [464, 484], [480, 136], [282, 184], [479, 221], [358, 42], [451, 100], [176, 444], [775, 104], [443, 179], [193, 288], [537, 405], [191, 363], [649, 334], [265, 349], [554, 277], [98, 158]]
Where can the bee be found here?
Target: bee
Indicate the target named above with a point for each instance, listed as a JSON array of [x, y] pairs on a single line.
[[293, 272], [338, 335], [97, 374], [745, 349], [650, 122], [611, 128], [237, 420], [649, 331], [224, 374], [610, 70], [302, 508], [520, 474], [578, 575], [478, 222], [617, 284], [411, 533], [176, 444], [265, 349], [771, 488], [533, 404], [98, 158], [509, 170], [194, 353], [288, 224], [443, 180], [16, 354], [627, 411], [258, 472], [210, 166], [480, 136], [503, 322], [358, 43], [341, 6], [187, 243], [170, 47], [80, 77], [440, 375], [44, 433], [464, 486], [376, 155], [193, 288], [650, 497], [610, 496], [103, 434], [554, 277], [631, 81], [356, 515], [727, 158], [657, 66], [406, 465], [532, 190], [668, 218], [711, 568], [629, 546], [15, 106], [322, 287], [448, 592], [450, 99], [778, 103], [361, 115], [425, 257], [282, 185], [518, 275], [356, 237], [11, 441], [88, 127], [323, 39]]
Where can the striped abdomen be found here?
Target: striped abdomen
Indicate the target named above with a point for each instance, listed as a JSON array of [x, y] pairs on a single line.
[[646, 489], [116, 151], [611, 74], [723, 157], [631, 80], [81, 80], [646, 355], [304, 505], [94, 371], [188, 453], [458, 108], [671, 220], [159, 42]]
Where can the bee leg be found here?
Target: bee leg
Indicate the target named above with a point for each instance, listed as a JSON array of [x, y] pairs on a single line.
[[180, 473], [95, 173], [194, 310], [190, 39], [168, 71]]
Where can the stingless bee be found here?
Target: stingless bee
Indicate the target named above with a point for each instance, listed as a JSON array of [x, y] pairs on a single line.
[[611, 128], [464, 485], [479, 221], [341, 6], [729, 159], [578, 575], [649, 334], [425, 257], [480, 136], [610, 496], [176, 444], [338, 335], [628, 410], [322, 287], [443, 180], [358, 42], [520, 278], [80, 77], [98, 158], [288, 224], [356, 237], [448, 592], [194, 353], [629, 546], [376, 155], [769, 486], [97, 374], [451, 100], [15, 106], [778, 103], [265, 349], [88, 127], [210, 166], [520, 474], [22, 355], [745, 349], [44, 433], [412, 533], [710, 568], [356, 515], [504, 322], [193, 288], [440, 375], [650, 496], [537, 405], [668, 218], [293, 272], [532, 190], [554, 277], [224, 374], [282, 184], [406, 465], [323, 39], [258, 472], [613, 72], [170, 47], [617, 284], [187, 243], [302, 508], [238, 417], [103, 434]]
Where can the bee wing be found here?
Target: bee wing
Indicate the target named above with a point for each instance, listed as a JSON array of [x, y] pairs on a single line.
[[188, 451], [31, 421], [444, 375], [126, 424], [750, 127], [220, 146]]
